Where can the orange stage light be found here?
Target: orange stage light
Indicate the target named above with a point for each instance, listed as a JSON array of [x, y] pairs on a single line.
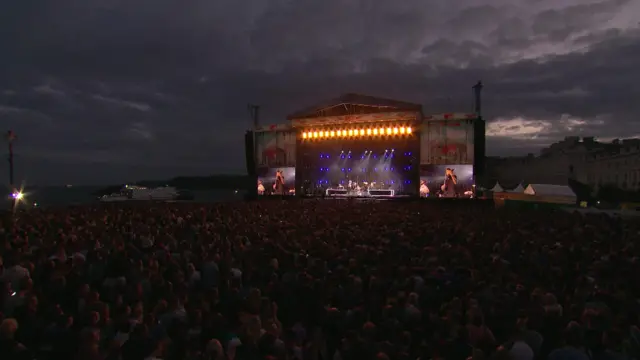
[[354, 132]]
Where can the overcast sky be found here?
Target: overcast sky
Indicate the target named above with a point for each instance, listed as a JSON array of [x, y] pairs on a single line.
[[102, 91]]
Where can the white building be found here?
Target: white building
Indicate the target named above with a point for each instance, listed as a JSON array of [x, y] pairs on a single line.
[[585, 160], [617, 164]]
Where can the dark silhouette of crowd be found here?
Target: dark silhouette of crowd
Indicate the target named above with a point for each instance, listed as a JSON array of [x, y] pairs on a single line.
[[318, 280]]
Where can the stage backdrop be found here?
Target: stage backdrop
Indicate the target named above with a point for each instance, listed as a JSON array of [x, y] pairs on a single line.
[[275, 149], [445, 142]]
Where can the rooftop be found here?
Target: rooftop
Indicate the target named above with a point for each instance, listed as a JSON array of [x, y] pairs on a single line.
[[350, 104]]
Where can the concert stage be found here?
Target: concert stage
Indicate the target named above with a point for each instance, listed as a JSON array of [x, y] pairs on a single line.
[[365, 147]]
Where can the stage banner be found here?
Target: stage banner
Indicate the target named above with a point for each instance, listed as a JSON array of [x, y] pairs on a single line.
[[275, 149], [447, 142]]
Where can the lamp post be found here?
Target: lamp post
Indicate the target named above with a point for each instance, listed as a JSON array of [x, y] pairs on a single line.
[[11, 137]]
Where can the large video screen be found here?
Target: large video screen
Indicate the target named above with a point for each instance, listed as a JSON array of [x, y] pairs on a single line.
[[446, 181], [447, 142], [276, 181]]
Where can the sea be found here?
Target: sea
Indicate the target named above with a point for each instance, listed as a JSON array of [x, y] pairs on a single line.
[[82, 195]]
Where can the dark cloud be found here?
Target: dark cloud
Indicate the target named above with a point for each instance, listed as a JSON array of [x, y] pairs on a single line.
[[102, 91]]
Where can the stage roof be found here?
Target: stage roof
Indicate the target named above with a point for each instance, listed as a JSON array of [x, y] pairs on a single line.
[[347, 101]]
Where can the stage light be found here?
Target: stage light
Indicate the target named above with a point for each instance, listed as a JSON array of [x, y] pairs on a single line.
[[321, 134], [315, 134], [395, 130], [381, 131], [375, 131], [392, 150], [344, 133], [389, 131], [368, 131], [403, 130], [333, 133], [350, 132], [304, 135], [409, 130], [361, 132]]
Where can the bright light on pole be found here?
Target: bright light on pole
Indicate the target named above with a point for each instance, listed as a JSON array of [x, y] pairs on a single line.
[[18, 195]]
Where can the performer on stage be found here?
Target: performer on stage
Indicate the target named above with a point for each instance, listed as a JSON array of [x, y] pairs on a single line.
[[424, 189], [278, 186], [450, 182], [260, 188]]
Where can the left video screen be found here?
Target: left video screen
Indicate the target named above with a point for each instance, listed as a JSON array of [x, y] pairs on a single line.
[[277, 181]]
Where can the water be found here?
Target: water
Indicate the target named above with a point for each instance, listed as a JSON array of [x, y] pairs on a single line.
[[79, 195]]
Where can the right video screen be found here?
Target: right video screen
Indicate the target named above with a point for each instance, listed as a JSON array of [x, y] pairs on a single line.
[[446, 181]]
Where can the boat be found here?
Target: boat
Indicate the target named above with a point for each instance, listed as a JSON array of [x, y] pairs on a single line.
[[139, 193]]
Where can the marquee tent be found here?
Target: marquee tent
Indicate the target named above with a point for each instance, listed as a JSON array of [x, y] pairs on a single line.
[[497, 188], [559, 191], [518, 189]]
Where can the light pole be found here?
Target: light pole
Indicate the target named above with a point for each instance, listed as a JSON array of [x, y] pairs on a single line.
[[11, 137]]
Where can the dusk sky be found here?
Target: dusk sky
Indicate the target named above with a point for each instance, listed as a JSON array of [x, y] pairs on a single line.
[[105, 91]]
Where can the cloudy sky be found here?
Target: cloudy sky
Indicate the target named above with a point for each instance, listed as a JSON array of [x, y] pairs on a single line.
[[102, 91]]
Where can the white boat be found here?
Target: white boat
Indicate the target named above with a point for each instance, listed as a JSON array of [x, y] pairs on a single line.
[[139, 193]]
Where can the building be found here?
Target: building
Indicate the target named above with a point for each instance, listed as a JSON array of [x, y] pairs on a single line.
[[617, 164], [585, 160], [357, 144]]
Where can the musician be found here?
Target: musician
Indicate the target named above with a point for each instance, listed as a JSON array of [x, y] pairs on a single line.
[[450, 182], [424, 189], [278, 186], [260, 188]]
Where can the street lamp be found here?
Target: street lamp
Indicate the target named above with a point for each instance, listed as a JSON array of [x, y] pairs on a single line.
[[11, 137]]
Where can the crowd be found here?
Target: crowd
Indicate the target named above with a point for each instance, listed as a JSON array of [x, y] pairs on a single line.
[[317, 280]]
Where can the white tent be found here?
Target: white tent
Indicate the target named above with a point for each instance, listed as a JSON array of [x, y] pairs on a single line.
[[497, 188], [518, 189], [550, 190]]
